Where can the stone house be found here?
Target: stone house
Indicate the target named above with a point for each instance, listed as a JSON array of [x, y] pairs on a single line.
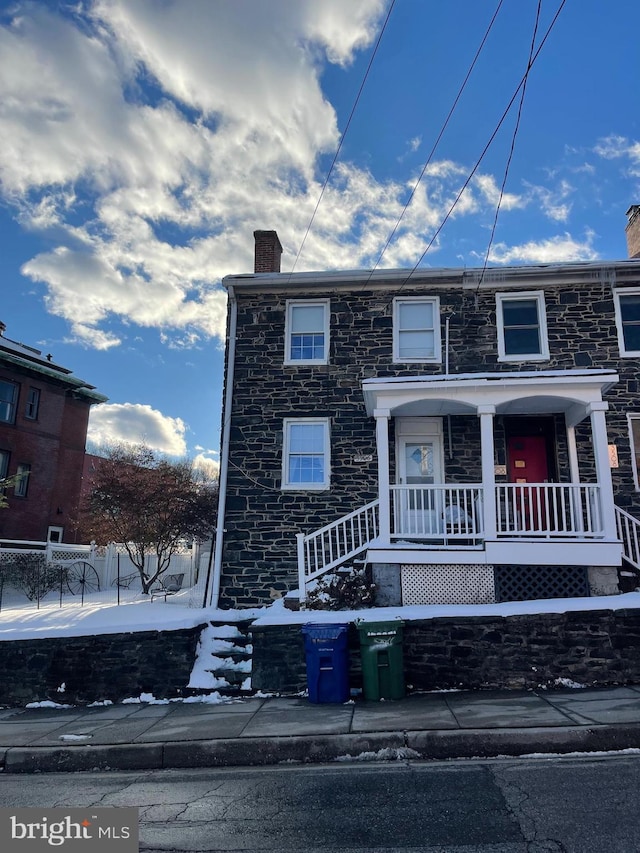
[[471, 436], [44, 413]]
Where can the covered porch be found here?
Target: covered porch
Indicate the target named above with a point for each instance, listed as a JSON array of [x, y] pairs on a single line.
[[562, 516]]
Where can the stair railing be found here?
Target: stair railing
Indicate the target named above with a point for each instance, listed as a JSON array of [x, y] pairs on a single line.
[[336, 543], [629, 532]]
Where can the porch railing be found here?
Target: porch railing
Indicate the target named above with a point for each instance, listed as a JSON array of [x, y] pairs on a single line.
[[549, 510], [629, 532], [454, 513], [336, 543], [437, 512]]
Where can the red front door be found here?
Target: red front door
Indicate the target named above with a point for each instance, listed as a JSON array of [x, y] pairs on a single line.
[[527, 463], [527, 459]]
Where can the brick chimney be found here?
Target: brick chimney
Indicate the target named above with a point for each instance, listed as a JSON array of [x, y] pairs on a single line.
[[633, 231], [268, 251]]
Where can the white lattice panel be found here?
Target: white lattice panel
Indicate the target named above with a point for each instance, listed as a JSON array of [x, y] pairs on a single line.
[[452, 584]]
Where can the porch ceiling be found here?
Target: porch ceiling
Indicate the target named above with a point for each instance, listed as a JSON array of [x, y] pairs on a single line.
[[543, 392]]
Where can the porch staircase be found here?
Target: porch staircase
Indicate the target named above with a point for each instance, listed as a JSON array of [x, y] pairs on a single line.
[[629, 532], [337, 544], [223, 663]]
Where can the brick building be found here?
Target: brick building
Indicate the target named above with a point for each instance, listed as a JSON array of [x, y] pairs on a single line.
[[44, 412], [471, 436]]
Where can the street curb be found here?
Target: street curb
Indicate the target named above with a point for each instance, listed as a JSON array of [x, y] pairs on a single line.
[[491, 743], [317, 749]]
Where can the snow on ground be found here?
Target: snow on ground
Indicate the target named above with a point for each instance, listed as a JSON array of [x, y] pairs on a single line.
[[277, 615], [100, 615]]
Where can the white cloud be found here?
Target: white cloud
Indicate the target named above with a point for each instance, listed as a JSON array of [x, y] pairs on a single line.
[[554, 202], [558, 249], [133, 423], [615, 147], [148, 139], [490, 190], [210, 468]]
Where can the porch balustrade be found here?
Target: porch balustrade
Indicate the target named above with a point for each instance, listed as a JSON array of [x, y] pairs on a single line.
[[455, 513]]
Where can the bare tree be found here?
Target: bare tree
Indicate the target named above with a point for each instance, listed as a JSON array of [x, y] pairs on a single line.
[[149, 504]]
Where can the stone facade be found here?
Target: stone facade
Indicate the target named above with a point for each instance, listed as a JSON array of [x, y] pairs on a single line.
[[81, 670], [261, 519], [586, 647]]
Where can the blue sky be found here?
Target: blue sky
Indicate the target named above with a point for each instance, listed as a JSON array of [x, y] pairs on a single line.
[[145, 140]]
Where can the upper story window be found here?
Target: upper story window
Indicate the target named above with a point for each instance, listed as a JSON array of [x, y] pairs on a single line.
[[4, 464], [627, 304], [634, 441], [8, 400], [522, 327], [305, 460], [307, 332], [416, 329], [22, 480], [33, 404]]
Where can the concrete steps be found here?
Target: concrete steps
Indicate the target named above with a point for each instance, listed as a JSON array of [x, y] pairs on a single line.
[[223, 662]]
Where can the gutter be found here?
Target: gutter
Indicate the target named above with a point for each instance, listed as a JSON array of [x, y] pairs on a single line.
[[224, 449]]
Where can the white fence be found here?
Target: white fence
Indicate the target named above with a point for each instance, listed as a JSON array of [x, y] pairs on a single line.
[[67, 575]]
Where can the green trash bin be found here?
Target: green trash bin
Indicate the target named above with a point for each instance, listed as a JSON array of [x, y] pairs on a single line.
[[382, 665]]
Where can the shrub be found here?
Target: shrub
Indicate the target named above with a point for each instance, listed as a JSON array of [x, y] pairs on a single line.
[[342, 591], [31, 574]]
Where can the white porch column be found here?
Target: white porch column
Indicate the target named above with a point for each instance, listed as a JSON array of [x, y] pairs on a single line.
[[382, 445], [486, 415], [574, 467], [603, 467], [574, 471]]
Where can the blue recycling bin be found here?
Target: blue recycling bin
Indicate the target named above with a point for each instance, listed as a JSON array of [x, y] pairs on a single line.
[[327, 657]]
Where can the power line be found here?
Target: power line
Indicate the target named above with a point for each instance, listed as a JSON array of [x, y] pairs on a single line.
[[346, 129], [485, 149], [512, 148], [439, 137]]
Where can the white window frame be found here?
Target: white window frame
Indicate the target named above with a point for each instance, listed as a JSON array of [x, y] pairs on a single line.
[[23, 475], [630, 418], [5, 456], [326, 450], [55, 534], [627, 291], [436, 358], [325, 304], [32, 405], [523, 296], [12, 405]]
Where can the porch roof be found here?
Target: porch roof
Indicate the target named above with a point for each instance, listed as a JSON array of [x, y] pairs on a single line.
[[572, 392]]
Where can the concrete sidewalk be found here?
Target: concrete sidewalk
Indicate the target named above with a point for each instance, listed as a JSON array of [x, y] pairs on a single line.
[[290, 729]]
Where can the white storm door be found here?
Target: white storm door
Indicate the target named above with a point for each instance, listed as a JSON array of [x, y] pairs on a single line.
[[419, 446]]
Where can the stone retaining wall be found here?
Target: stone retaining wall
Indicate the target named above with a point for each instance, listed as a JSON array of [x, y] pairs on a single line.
[[81, 670], [587, 647]]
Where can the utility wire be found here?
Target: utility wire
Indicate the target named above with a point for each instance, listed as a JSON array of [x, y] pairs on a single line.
[[439, 137], [485, 149], [342, 138], [512, 148]]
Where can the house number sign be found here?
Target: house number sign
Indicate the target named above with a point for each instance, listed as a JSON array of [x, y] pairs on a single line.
[[363, 457]]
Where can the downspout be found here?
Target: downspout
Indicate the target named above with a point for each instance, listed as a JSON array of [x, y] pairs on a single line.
[[224, 450]]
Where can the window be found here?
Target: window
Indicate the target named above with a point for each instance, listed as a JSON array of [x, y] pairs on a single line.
[[8, 397], [416, 329], [22, 480], [33, 404], [627, 304], [305, 463], [54, 534], [4, 464], [634, 441], [307, 333], [522, 327]]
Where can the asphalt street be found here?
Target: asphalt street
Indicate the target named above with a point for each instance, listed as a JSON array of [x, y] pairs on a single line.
[[544, 805]]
